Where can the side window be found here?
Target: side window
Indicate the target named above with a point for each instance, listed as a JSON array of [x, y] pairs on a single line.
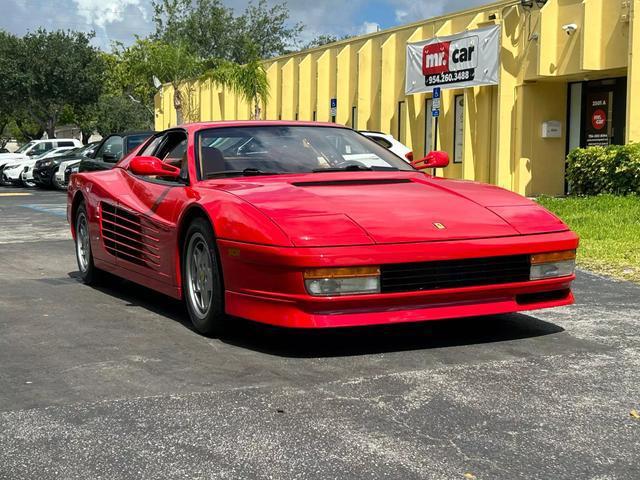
[[177, 155], [111, 150], [171, 148], [40, 148], [150, 149], [66, 144]]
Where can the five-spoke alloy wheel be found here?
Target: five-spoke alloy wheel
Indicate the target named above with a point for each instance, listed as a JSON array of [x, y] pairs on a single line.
[[201, 279]]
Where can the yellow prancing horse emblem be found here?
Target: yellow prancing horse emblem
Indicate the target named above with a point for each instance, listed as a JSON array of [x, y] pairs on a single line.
[[439, 226]]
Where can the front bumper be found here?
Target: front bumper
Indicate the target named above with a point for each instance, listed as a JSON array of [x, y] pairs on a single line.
[[265, 284], [43, 176], [12, 176]]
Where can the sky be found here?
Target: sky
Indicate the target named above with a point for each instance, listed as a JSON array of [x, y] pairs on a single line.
[[121, 20]]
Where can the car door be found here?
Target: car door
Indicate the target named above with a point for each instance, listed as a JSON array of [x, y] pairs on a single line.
[[149, 207], [106, 156]]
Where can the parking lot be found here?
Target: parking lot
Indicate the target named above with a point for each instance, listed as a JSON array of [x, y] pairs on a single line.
[[112, 382]]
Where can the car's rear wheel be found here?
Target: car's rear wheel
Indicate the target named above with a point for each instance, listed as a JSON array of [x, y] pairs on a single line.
[[202, 279], [88, 271]]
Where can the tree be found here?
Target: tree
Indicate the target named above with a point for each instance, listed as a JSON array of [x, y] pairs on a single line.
[[172, 63], [211, 30], [117, 113], [59, 69], [321, 40], [249, 81], [10, 81]]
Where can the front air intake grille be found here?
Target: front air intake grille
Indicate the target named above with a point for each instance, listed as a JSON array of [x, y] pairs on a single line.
[[127, 236], [410, 277]]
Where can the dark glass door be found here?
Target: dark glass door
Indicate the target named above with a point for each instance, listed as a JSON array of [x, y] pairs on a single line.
[[604, 112]]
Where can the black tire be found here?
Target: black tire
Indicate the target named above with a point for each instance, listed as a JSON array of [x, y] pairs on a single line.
[[207, 316], [55, 184], [88, 271]]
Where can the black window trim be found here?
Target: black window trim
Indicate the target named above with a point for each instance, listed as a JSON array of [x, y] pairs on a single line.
[[164, 133]]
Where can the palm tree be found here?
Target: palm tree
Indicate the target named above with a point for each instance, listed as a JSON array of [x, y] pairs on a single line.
[[249, 81], [174, 64]]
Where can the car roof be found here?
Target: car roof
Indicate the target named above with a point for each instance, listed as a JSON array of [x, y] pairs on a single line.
[[194, 127], [54, 140], [128, 134]]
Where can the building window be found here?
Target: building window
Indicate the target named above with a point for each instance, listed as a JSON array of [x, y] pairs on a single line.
[[354, 117], [458, 130]]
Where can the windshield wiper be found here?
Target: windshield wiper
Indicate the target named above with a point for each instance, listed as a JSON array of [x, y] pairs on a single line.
[[354, 168], [247, 172]]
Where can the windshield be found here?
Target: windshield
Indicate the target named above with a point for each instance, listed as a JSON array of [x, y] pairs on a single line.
[[26, 146], [289, 149]]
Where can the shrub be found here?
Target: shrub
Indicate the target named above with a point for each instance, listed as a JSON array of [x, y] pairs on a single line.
[[598, 170]]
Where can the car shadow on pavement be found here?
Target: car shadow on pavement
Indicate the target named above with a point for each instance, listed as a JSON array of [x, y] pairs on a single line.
[[302, 343], [387, 338]]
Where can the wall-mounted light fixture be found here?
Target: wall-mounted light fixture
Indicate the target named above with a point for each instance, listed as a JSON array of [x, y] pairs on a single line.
[[570, 28]]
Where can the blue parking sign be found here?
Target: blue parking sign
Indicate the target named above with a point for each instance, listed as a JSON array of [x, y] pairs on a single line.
[[437, 92], [435, 112]]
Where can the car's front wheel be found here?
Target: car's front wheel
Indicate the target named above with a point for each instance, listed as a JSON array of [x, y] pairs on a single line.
[[88, 271], [56, 184], [202, 279]]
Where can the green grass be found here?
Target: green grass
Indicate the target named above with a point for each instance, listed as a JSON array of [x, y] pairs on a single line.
[[609, 228]]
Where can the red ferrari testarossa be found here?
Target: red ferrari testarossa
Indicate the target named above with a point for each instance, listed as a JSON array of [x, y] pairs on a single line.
[[313, 225]]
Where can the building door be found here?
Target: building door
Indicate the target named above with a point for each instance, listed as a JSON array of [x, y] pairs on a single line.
[[604, 104]]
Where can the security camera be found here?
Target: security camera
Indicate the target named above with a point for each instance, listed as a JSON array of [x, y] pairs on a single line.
[[570, 28]]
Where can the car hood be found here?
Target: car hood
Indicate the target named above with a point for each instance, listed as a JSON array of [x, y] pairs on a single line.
[[21, 162], [10, 157], [376, 208]]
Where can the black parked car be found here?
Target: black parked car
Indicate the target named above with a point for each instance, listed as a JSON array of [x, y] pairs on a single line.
[[112, 149], [44, 171]]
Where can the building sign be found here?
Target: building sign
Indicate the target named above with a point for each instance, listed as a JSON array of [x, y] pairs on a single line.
[[597, 119], [468, 59]]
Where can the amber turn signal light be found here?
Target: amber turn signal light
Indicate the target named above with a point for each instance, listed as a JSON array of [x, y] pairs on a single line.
[[342, 272], [553, 257]]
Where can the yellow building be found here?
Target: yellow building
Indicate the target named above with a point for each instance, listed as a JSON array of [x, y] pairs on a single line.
[[567, 70]]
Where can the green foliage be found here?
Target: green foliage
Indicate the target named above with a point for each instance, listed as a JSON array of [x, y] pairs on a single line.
[[609, 228], [118, 113], [211, 30], [321, 40], [52, 71], [597, 170], [249, 81]]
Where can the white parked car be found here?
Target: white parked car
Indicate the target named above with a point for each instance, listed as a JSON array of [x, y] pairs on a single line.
[[26, 176], [390, 143], [61, 177], [37, 147]]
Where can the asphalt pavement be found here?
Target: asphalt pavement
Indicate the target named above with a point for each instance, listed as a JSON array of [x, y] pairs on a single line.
[[113, 383]]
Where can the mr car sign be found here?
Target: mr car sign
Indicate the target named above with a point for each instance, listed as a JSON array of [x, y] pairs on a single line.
[[464, 60]]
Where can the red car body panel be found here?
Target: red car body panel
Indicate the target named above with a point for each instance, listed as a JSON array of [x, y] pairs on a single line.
[[269, 229]]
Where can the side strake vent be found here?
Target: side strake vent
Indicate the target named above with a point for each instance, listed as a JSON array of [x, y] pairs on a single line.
[[339, 183], [125, 236]]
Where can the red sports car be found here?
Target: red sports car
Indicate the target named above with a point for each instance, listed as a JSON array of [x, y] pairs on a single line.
[[313, 225]]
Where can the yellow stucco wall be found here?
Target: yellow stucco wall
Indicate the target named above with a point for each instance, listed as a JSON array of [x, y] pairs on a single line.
[[502, 124]]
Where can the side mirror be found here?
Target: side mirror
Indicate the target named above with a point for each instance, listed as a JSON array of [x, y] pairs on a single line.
[[432, 160], [153, 166], [109, 157]]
